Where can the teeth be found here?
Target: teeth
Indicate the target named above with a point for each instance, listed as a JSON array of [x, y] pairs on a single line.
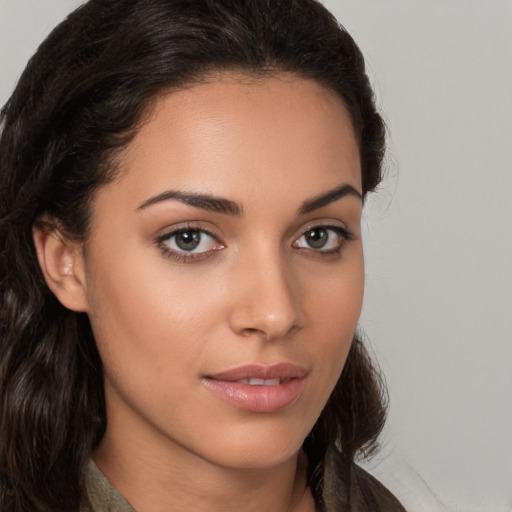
[[261, 382]]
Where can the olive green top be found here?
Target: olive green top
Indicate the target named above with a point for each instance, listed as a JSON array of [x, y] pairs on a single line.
[[102, 495], [346, 488]]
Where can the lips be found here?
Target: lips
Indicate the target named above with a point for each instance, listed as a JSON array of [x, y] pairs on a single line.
[[259, 388]]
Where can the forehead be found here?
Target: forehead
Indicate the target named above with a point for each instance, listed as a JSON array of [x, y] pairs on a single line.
[[233, 135]]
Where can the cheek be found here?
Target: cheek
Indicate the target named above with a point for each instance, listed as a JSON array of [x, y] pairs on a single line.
[[335, 297], [148, 318], [152, 331], [333, 306]]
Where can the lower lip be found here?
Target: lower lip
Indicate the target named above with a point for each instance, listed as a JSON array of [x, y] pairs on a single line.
[[258, 398]]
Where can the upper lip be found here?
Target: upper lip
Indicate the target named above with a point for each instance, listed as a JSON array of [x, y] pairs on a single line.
[[261, 371]]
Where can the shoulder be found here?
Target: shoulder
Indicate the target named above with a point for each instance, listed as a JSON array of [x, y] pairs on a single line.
[[369, 494], [348, 487]]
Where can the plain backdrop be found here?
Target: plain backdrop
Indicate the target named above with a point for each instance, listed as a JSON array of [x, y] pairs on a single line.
[[438, 240]]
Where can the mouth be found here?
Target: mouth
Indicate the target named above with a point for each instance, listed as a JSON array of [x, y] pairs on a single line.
[[260, 382], [259, 388]]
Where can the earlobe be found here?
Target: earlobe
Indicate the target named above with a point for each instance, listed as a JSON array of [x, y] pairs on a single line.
[[61, 261]]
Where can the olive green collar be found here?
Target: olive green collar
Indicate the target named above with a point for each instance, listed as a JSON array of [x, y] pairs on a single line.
[[101, 494]]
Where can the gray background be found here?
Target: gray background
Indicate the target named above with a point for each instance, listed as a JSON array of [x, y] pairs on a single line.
[[438, 305]]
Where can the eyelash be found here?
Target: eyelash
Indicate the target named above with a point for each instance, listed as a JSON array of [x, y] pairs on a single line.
[[343, 234], [183, 256]]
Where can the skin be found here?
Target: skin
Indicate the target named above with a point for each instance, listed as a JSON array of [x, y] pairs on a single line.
[[253, 292]]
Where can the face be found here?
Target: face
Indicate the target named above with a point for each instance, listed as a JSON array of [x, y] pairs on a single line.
[[224, 270]]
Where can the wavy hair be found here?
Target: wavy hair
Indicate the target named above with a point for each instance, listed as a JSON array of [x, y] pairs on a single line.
[[77, 104]]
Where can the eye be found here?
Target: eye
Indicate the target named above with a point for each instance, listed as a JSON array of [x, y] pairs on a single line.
[[185, 244], [326, 239]]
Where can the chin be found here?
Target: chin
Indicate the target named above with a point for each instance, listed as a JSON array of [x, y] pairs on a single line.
[[258, 446]]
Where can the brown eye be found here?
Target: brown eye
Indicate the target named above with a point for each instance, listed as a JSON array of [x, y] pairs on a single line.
[[188, 240], [323, 239], [316, 238]]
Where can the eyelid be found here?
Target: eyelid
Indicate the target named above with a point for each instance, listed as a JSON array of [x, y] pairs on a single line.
[[342, 232], [182, 255], [326, 224]]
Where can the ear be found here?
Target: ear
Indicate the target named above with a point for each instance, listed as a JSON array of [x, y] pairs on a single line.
[[62, 263]]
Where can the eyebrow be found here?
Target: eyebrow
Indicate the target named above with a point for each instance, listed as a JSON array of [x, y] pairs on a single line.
[[329, 197], [226, 206], [204, 201]]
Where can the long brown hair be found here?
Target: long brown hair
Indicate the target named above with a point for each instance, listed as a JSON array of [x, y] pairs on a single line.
[[78, 102]]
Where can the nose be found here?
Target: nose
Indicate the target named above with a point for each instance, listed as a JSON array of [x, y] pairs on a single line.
[[266, 297]]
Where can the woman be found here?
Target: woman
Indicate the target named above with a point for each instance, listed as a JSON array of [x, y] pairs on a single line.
[[182, 271]]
